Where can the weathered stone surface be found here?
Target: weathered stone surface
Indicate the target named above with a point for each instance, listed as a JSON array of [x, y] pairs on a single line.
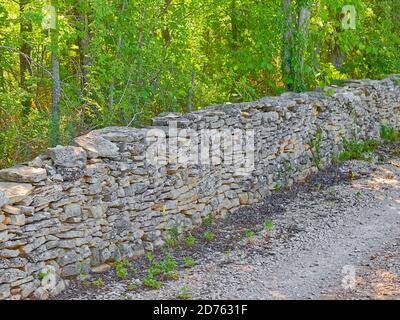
[[68, 157], [70, 211], [5, 253], [23, 174], [17, 219], [11, 275], [60, 286], [4, 291], [101, 268], [68, 258], [15, 192], [3, 199], [11, 210], [121, 134], [28, 288], [3, 235], [96, 146]]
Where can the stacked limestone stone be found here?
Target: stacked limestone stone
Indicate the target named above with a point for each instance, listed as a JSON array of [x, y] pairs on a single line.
[[76, 208]]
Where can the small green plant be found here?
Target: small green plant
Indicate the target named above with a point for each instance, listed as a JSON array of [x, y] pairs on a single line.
[[150, 256], [189, 262], [98, 282], [120, 268], [268, 224], [315, 148], [173, 232], [184, 294], [85, 283], [165, 267], [154, 270], [389, 134], [172, 275], [208, 221], [152, 283], [358, 194], [354, 175], [330, 92], [356, 149], [41, 275], [132, 286], [190, 240], [168, 265], [208, 235], [278, 187], [319, 187], [172, 241], [250, 233]]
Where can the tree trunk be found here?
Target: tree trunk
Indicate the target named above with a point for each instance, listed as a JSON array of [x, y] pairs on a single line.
[[112, 84], [287, 73], [25, 54], [83, 42], [190, 95], [56, 85], [234, 26], [304, 22], [25, 49]]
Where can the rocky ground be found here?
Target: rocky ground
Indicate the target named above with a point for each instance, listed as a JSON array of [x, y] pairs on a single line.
[[336, 236]]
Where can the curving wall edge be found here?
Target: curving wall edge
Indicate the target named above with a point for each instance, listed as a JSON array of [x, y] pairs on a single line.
[[118, 190]]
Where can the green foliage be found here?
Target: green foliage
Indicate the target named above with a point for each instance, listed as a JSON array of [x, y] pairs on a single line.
[[389, 134], [355, 149], [172, 240], [99, 282], [208, 221], [132, 286], [152, 283], [190, 240], [189, 262], [150, 256], [250, 233], [41, 275], [173, 232], [268, 224], [157, 271], [120, 268], [184, 294], [168, 265], [208, 235], [329, 92]]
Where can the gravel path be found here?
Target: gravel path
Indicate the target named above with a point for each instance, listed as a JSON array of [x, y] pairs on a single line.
[[335, 237]]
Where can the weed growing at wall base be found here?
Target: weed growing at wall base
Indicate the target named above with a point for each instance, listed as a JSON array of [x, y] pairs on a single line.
[[389, 134], [355, 149]]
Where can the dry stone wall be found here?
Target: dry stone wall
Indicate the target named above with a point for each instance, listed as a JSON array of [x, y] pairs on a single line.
[[118, 190]]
